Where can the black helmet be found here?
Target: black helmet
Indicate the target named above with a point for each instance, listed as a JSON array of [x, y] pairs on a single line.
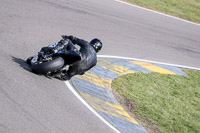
[[96, 43]]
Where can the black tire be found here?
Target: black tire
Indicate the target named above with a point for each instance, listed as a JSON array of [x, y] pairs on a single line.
[[45, 67]]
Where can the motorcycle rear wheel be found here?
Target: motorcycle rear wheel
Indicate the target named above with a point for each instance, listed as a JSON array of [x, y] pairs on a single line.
[[54, 64]]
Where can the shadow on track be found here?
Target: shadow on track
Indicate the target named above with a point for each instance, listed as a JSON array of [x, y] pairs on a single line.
[[22, 63]]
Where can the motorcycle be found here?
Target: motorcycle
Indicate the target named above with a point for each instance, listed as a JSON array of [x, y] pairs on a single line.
[[53, 63]]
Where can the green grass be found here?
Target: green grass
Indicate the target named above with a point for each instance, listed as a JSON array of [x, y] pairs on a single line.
[[169, 101], [186, 9]]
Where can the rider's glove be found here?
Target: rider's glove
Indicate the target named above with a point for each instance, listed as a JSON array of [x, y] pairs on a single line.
[[71, 38], [64, 36]]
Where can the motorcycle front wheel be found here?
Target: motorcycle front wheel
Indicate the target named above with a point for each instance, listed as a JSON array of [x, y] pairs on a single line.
[[54, 64]]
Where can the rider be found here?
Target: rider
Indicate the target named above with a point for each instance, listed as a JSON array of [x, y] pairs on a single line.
[[87, 53]]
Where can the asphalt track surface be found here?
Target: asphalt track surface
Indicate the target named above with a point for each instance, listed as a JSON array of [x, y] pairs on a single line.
[[32, 103]]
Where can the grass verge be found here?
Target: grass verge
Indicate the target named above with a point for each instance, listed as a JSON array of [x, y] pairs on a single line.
[[170, 102], [186, 9]]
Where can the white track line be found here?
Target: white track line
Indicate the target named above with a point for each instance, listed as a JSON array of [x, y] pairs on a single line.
[[123, 2], [89, 107], [119, 57]]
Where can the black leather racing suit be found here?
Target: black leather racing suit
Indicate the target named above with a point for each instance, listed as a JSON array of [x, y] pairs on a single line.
[[88, 58]]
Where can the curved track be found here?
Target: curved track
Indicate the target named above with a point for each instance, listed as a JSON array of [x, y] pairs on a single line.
[[32, 103]]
